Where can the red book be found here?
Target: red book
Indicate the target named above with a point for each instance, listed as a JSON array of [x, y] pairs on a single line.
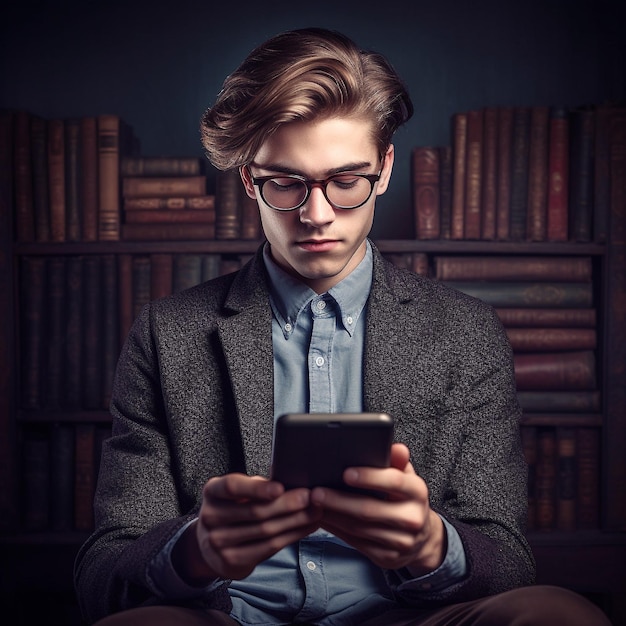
[[161, 275], [473, 175], [109, 177], [547, 318], [168, 231], [505, 143], [169, 216], [425, 165], [520, 151], [555, 371], [445, 191], [23, 177], [151, 186], [528, 339], [459, 146], [171, 203], [89, 181], [56, 179], [537, 218], [558, 175], [489, 173]]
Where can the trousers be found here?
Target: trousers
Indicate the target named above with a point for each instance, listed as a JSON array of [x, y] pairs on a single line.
[[527, 606]]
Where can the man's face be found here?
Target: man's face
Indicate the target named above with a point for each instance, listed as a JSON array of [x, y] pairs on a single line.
[[317, 243]]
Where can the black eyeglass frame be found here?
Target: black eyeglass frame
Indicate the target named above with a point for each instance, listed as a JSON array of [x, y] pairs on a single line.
[[259, 181]]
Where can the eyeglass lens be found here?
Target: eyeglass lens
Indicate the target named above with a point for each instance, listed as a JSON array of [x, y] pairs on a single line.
[[342, 191]]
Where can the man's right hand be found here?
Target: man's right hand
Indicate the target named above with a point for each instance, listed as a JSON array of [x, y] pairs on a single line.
[[243, 521]]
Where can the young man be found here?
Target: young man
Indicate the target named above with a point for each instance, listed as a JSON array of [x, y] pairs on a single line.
[[189, 528]]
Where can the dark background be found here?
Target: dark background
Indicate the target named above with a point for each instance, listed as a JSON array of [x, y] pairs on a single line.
[[160, 64]]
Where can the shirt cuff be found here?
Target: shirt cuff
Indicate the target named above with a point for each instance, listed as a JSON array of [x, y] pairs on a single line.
[[450, 572], [165, 582]]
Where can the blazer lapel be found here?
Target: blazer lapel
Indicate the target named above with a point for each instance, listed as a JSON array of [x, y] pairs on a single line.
[[246, 338]]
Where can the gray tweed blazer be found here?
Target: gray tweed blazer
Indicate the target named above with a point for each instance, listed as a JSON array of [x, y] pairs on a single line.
[[193, 398]]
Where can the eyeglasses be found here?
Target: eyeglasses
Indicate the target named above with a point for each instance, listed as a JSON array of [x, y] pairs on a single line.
[[289, 192]]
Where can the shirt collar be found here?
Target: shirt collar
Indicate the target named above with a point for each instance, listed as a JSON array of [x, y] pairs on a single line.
[[289, 296]]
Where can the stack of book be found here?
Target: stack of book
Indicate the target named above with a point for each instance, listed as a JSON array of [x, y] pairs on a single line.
[[166, 198], [66, 176], [522, 173], [546, 306]]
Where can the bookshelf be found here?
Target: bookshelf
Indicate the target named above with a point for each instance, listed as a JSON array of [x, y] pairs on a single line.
[[585, 558]]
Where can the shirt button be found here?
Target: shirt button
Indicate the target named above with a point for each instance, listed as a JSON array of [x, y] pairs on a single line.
[[349, 319], [310, 565], [321, 305], [319, 361], [288, 328]]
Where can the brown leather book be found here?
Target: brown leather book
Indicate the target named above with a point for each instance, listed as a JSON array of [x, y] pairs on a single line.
[[558, 175], [473, 175], [459, 165], [537, 217], [425, 187]]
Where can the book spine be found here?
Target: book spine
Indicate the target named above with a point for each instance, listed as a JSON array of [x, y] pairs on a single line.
[[445, 189], [588, 475], [56, 179], [546, 480], [514, 317], [184, 186], [171, 203], [566, 479], [55, 313], [84, 478], [489, 191], [187, 271], [581, 179], [35, 482], [537, 218], [41, 202], [61, 445], [161, 275], [168, 232], [558, 175], [23, 177], [227, 206], [551, 339], [92, 333], [473, 176], [425, 169], [459, 145], [73, 333], [160, 166], [555, 371], [73, 181], [89, 178], [110, 325], [168, 216], [519, 173], [109, 177], [570, 401], [505, 172]]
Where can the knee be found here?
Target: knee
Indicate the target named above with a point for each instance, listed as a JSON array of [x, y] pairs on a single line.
[[548, 605]]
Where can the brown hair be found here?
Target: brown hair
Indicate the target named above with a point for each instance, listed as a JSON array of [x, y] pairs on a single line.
[[303, 74]]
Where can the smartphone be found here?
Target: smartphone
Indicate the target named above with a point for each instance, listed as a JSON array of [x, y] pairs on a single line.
[[314, 449]]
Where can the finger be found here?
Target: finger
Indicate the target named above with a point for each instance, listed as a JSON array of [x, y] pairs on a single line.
[[239, 487], [400, 456]]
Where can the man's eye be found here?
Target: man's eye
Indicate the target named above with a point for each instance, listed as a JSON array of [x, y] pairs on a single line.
[[285, 184], [345, 182]]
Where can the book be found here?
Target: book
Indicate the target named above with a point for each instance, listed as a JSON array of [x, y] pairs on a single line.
[[459, 149], [566, 479], [170, 216], [505, 171], [161, 275], [581, 174], [227, 205], [160, 166], [141, 272], [92, 343], [56, 179], [513, 268], [472, 216], [125, 294], [558, 175], [35, 474], [32, 288], [167, 231], [187, 271], [601, 172], [73, 333], [489, 192], [61, 476], [549, 294], [73, 180], [89, 191], [159, 186], [569, 401], [588, 478], [40, 185], [520, 150], [55, 312], [546, 480], [84, 475], [445, 191], [537, 217], [552, 339], [210, 266], [555, 371], [110, 325], [23, 177], [425, 187], [547, 318], [172, 203]]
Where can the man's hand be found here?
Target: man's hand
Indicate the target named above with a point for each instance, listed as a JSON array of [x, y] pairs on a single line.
[[243, 520], [401, 531]]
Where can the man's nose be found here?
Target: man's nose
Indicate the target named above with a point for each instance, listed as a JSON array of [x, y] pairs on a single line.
[[317, 211]]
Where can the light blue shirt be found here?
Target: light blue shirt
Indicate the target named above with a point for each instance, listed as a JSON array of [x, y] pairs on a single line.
[[318, 342]]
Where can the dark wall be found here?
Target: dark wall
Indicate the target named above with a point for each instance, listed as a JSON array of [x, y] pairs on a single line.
[[159, 65]]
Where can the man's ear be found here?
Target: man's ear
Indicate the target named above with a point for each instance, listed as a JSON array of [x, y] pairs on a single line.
[[385, 174], [246, 178]]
